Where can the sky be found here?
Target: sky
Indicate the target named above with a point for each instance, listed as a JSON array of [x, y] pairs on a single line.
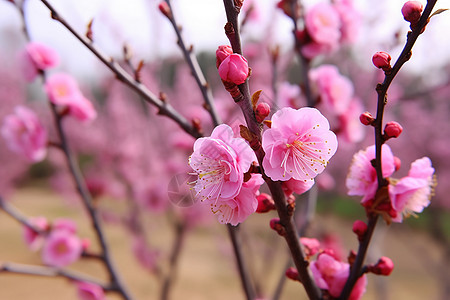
[[140, 24]]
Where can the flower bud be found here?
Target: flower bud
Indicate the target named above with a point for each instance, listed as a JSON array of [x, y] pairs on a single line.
[[234, 68], [311, 245], [411, 11], [360, 228], [261, 112], [222, 52], [384, 266], [265, 203], [165, 9], [392, 130], [292, 273], [275, 224], [397, 163], [382, 60], [366, 118]]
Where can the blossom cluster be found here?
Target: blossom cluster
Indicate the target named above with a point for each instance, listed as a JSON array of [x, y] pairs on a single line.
[[298, 147]]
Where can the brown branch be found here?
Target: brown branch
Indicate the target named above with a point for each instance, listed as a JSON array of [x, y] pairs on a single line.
[[164, 107], [382, 89]]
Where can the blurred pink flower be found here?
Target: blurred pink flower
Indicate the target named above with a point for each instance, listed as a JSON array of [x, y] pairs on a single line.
[[362, 177], [24, 134], [61, 248], [288, 95], [151, 196], [220, 162], [311, 245], [412, 193], [331, 274], [323, 24], [32, 238], [37, 57], [350, 19], [234, 68], [64, 224], [90, 291], [147, 258], [335, 90], [298, 145], [236, 210], [63, 90]]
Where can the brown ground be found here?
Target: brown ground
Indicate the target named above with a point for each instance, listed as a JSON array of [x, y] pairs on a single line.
[[206, 269]]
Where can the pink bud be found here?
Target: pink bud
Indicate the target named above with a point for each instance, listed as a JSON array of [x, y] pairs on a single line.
[[265, 203], [261, 112], [411, 11], [382, 60], [384, 266], [311, 245], [276, 225], [165, 9], [360, 228], [292, 273], [392, 130], [234, 68], [366, 118], [222, 52]]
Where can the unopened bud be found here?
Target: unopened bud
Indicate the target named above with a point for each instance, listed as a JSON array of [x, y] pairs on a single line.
[[165, 9], [262, 111], [397, 163], [85, 243], [292, 273], [392, 130], [276, 225], [382, 60], [411, 11], [265, 203], [222, 52], [366, 118], [286, 6], [351, 257], [360, 228], [384, 266], [311, 245], [234, 68]]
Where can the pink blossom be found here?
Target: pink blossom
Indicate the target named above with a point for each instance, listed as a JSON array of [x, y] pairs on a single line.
[[288, 95], [90, 291], [61, 248], [236, 210], [350, 20], [313, 49], [222, 52], [335, 90], [234, 68], [32, 238], [24, 134], [65, 224], [148, 258], [412, 193], [331, 274], [37, 57], [63, 90], [311, 245], [151, 196], [362, 177], [296, 186], [323, 24], [220, 162], [298, 145]]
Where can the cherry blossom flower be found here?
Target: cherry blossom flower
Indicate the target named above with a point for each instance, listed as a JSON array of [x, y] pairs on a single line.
[[90, 291], [362, 177], [32, 238], [296, 186], [63, 90], [37, 57], [65, 224], [151, 196], [411, 194], [323, 24], [331, 274], [220, 162], [335, 90], [350, 19], [298, 145], [24, 134], [236, 210], [61, 248]]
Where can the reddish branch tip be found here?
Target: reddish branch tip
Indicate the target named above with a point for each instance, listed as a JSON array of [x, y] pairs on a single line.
[[261, 112], [384, 267], [165, 9], [265, 203], [276, 225], [397, 163], [360, 228], [292, 273], [382, 60], [392, 130], [411, 11]]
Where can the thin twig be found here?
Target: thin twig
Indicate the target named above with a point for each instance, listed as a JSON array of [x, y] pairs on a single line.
[[9, 267], [382, 89], [192, 61], [18, 216], [164, 107]]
